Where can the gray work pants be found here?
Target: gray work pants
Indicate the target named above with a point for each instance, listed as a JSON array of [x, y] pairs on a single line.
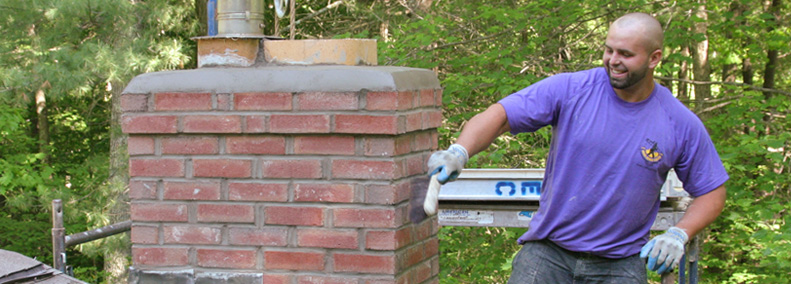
[[540, 262]]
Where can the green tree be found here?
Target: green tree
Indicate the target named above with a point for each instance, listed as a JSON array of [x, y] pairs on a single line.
[[64, 62]]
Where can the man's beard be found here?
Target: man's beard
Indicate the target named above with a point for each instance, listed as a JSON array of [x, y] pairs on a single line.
[[631, 78]]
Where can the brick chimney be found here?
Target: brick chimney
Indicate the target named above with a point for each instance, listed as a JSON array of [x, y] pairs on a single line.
[[284, 171]]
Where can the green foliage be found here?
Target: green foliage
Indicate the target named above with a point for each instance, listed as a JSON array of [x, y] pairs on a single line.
[[750, 241], [75, 53], [477, 254], [483, 52]]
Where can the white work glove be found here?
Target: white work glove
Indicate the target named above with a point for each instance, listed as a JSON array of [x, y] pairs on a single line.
[[443, 166], [448, 164], [664, 252]]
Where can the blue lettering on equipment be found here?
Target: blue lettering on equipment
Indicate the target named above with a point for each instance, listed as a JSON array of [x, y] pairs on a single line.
[[505, 183], [533, 187]]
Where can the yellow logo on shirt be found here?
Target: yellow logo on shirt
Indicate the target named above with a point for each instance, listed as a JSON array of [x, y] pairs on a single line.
[[651, 154]]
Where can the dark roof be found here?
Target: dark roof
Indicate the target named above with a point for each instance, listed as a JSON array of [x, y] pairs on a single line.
[[19, 269]]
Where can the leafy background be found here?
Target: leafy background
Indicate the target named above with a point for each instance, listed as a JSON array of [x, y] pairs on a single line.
[[63, 64]]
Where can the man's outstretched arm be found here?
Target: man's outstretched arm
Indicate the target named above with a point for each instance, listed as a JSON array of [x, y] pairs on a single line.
[[483, 128], [476, 135]]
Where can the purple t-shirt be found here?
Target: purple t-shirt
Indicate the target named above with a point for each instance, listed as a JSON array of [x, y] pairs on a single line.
[[608, 160]]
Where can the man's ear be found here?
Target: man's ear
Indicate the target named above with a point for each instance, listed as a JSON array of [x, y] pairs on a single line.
[[655, 58]]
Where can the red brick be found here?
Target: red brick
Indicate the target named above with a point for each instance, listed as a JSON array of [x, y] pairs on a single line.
[[384, 147], [414, 121], [365, 218], [192, 235], [314, 279], [327, 101], [309, 192], [229, 168], [190, 145], [366, 124], [427, 98], [159, 212], [307, 123], [140, 145], [411, 256], [438, 97], [156, 167], [425, 230], [435, 269], [182, 101], [276, 192], [381, 101], [388, 239], [270, 237], [255, 124], [142, 189], [134, 102], [223, 102], [160, 256], [415, 165], [270, 278], [293, 260], [298, 216], [364, 263], [226, 213], [149, 124], [264, 145], [192, 190], [423, 141], [324, 145], [432, 119], [388, 194], [403, 278], [431, 247], [212, 124], [364, 169], [142, 234], [219, 258], [291, 169], [262, 101], [327, 238], [407, 99], [388, 146], [423, 272], [434, 140]]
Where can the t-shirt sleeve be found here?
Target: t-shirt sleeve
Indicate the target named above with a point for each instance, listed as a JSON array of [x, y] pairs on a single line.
[[536, 106], [699, 166]]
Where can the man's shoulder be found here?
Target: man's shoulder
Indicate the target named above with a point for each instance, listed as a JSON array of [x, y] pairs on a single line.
[[670, 103], [676, 111], [577, 82], [594, 74]]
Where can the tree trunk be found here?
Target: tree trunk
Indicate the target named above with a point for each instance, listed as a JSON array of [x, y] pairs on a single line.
[[700, 56], [772, 54], [117, 255], [730, 71], [747, 71], [683, 74], [43, 122]]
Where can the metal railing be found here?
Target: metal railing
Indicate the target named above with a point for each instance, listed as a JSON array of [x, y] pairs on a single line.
[[60, 241]]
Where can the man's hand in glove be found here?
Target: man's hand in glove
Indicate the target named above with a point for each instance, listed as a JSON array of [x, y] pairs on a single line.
[[448, 164], [664, 252]]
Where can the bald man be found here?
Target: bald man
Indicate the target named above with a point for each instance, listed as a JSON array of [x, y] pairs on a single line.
[[615, 135]]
